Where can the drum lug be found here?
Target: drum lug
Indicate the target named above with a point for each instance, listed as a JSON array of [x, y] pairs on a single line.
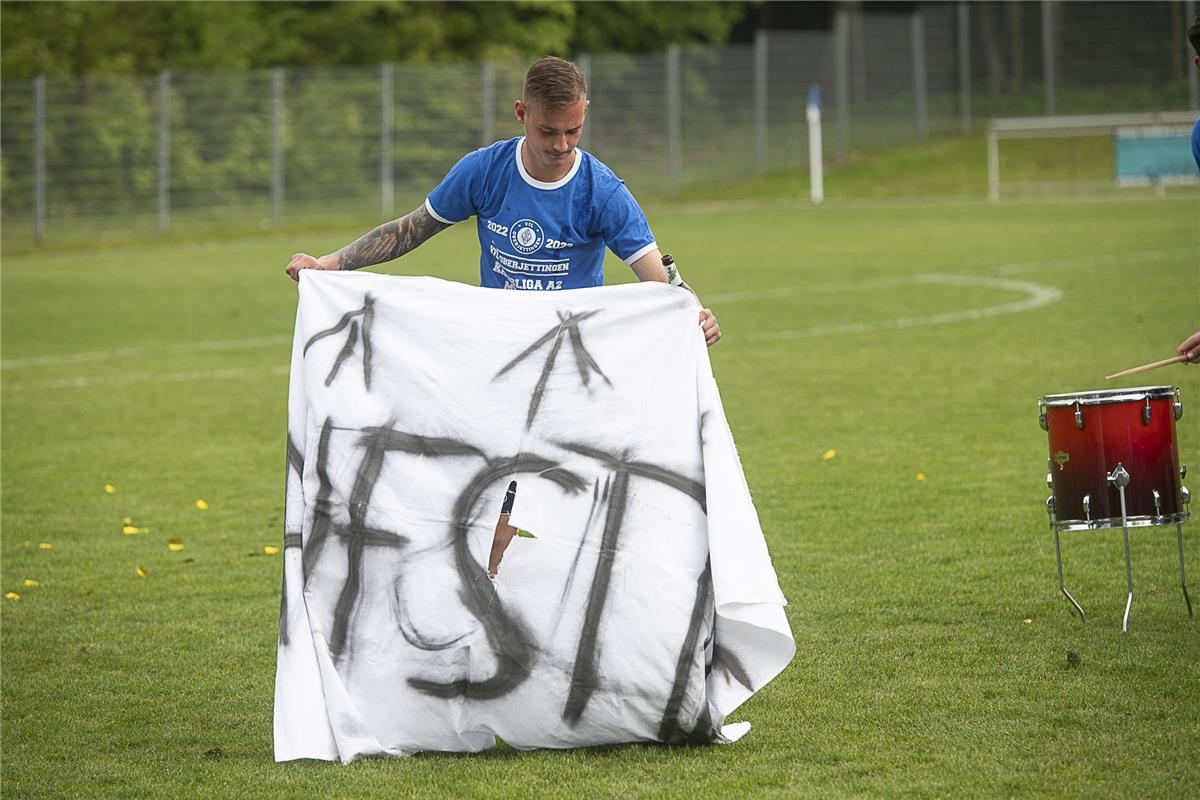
[[1049, 480], [1119, 477], [1146, 412], [1042, 420], [1050, 508], [1183, 472], [1185, 496], [1178, 406], [1078, 417], [1157, 503], [1087, 508]]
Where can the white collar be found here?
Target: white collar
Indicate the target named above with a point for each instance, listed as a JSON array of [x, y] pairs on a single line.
[[534, 182]]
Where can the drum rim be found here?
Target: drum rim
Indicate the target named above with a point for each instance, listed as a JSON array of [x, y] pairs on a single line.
[[1104, 396], [1143, 521]]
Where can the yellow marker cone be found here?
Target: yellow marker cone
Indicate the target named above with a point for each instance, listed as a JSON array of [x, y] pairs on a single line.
[[270, 549], [30, 582], [12, 596], [202, 505], [110, 489], [920, 476], [45, 546], [829, 454]]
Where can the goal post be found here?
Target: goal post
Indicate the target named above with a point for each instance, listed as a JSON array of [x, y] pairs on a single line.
[[1148, 148]]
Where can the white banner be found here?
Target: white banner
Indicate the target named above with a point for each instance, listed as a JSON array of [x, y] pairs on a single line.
[[641, 607]]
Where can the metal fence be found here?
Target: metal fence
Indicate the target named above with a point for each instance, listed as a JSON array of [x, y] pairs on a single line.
[[154, 153]]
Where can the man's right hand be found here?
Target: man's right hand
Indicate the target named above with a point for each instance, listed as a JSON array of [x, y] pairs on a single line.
[[305, 261]]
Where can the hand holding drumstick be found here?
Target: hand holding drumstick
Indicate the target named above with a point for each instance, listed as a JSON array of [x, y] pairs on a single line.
[[1188, 350]]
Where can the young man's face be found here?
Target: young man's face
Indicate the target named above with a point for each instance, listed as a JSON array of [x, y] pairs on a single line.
[[550, 138]]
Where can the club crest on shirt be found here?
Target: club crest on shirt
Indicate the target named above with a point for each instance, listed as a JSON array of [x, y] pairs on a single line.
[[526, 236]]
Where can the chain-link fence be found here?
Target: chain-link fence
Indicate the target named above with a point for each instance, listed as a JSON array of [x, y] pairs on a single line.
[[156, 153]]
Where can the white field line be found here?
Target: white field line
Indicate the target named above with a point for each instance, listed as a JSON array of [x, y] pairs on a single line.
[[1082, 262], [165, 377], [211, 345], [1037, 295], [724, 298]]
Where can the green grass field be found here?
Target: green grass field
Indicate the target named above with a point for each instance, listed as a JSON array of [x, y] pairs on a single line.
[[932, 640]]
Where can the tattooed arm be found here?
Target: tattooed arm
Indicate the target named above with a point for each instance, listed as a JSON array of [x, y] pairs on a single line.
[[390, 240]]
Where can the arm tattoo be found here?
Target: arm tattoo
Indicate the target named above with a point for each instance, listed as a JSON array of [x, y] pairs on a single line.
[[390, 240]]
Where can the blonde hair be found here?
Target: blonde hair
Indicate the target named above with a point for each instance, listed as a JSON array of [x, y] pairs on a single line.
[[553, 82]]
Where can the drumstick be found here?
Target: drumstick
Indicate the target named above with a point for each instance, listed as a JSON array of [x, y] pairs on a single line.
[[1146, 367]]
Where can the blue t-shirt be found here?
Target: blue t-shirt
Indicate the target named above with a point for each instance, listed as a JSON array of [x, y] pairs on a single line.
[[537, 235], [1196, 143]]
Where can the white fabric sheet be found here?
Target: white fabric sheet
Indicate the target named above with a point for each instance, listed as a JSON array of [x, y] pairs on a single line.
[[645, 608]]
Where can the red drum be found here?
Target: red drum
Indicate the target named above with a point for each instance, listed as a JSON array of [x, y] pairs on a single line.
[[1091, 434]]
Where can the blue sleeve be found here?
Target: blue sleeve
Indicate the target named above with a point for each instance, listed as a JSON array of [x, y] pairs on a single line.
[[1196, 143], [454, 199], [624, 226]]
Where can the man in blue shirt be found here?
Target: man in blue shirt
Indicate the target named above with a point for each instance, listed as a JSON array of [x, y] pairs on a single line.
[[545, 210], [1193, 34]]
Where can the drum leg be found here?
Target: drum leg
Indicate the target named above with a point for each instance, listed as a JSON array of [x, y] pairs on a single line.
[[1061, 585], [1128, 569], [1119, 477], [1182, 574]]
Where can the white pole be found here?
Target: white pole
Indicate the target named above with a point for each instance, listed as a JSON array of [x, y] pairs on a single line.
[[816, 168]]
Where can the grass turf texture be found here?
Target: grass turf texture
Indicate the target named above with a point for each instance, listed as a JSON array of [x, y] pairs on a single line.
[[917, 673]]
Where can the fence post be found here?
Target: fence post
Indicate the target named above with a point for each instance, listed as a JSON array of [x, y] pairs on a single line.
[[584, 62], [39, 159], [386, 114], [964, 65], [277, 146], [1189, 14], [1048, 76], [841, 49], [920, 85], [674, 158], [760, 99], [487, 104], [164, 150]]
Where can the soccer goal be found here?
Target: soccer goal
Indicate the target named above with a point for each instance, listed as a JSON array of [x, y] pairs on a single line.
[[1093, 151]]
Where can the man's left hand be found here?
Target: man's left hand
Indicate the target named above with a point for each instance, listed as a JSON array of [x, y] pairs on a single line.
[[708, 323]]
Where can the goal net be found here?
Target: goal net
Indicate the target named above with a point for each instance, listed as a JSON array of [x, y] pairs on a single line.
[[1089, 153]]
